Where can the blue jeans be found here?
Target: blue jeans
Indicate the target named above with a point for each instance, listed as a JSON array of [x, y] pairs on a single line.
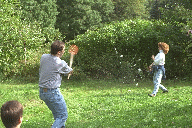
[[56, 103], [157, 81]]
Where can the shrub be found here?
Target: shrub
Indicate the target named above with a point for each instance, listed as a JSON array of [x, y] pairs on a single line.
[[20, 40], [17, 38], [122, 48]]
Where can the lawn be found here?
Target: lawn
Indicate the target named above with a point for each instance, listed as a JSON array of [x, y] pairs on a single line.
[[107, 104]]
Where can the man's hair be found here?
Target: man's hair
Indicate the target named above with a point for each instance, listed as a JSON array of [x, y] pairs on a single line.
[[164, 46], [57, 46], [11, 112]]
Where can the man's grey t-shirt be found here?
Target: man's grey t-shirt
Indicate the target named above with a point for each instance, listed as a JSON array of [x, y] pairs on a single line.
[[50, 71]]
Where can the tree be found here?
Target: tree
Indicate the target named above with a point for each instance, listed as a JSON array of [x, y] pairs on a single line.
[[76, 17], [171, 11], [155, 11], [129, 9], [189, 47], [43, 12]]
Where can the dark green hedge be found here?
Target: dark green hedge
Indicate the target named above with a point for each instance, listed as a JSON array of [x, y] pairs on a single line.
[[123, 49]]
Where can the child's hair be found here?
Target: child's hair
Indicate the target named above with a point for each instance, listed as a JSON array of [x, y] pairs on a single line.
[[11, 112], [164, 46], [57, 46]]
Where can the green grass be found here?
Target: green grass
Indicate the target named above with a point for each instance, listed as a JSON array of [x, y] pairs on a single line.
[[107, 104]]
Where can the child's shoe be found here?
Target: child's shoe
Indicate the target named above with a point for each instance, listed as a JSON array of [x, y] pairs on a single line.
[[151, 95], [165, 91]]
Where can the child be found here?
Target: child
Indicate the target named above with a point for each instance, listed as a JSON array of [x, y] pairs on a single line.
[[158, 68], [12, 114], [51, 69]]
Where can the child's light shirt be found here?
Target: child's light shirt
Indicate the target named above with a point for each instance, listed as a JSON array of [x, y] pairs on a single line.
[[50, 71], [159, 58]]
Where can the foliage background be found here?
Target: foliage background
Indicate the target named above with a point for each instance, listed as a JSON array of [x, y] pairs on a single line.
[[123, 49], [23, 36]]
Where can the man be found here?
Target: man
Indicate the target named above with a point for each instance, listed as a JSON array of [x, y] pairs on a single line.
[[51, 69]]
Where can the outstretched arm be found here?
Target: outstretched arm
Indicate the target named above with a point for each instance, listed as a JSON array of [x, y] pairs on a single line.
[[150, 67]]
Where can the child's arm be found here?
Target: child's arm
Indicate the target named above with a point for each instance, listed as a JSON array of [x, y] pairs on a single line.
[[150, 67], [157, 59]]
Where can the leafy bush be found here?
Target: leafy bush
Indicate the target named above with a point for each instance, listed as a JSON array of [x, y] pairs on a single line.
[[20, 40], [120, 49], [17, 38]]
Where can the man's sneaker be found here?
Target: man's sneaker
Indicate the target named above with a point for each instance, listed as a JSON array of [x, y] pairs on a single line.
[[151, 95], [165, 91]]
